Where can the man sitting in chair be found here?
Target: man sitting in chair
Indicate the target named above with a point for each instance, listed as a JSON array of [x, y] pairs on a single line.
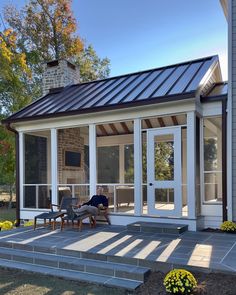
[[97, 203]]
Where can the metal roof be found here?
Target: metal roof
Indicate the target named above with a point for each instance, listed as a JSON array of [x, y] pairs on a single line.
[[169, 83], [216, 92]]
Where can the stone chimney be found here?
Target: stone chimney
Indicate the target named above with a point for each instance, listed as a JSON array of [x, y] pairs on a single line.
[[59, 73]]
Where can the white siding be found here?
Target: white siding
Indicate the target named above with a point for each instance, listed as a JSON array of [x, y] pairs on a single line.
[[234, 105]]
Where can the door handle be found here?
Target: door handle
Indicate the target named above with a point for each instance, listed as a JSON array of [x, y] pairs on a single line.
[[150, 184]]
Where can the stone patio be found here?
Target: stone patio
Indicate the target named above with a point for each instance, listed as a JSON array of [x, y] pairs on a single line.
[[199, 250]]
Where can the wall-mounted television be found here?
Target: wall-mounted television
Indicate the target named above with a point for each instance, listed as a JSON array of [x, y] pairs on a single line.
[[72, 159]]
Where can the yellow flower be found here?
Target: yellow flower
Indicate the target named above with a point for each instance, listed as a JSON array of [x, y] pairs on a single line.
[[6, 225]]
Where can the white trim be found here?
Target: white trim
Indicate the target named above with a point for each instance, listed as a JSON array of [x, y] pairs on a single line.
[[191, 164], [54, 166], [212, 109], [21, 168], [92, 159], [229, 116], [202, 162], [121, 163], [161, 109], [137, 168]]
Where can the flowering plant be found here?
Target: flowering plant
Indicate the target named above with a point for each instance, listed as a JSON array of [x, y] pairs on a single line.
[[228, 226], [29, 223], [6, 225], [180, 281]]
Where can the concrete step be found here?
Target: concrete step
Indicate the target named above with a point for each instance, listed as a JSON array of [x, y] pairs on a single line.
[[152, 227], [114, 269], [72, 275], [112, 273]]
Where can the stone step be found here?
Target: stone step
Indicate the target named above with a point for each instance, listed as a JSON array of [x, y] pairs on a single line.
[[114, 269], [153, 227], [72, 275]]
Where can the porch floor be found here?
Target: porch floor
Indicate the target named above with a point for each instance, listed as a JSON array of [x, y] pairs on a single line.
[[193, 250]]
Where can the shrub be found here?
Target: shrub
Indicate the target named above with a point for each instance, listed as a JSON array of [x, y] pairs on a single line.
[[180, 281], [29, 223], [6, 225], [228, 226]]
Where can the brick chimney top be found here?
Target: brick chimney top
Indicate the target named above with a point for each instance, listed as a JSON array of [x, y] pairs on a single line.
[[59, 73]]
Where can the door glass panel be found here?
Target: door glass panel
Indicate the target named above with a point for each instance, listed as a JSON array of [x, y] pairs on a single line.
[[164, 198], [164, 157]]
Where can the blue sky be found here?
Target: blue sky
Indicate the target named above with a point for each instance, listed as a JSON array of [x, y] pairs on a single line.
[[141, 34]]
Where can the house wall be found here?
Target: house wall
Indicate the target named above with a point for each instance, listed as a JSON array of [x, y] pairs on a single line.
[[232, 79], [70, 140]]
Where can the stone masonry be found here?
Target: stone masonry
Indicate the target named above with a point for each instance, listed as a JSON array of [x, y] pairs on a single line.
[[70, 140], [59, 73]]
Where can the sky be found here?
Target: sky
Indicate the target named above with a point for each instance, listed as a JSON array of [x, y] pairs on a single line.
[[143, 34]]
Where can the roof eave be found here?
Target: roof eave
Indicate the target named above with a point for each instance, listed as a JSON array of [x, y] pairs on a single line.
[[224, 4], [156, 100]]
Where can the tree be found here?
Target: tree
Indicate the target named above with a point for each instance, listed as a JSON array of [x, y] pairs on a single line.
[[42, 30], [46, 30], [91, 66], [14, 72], [13, 96], [7, 161]]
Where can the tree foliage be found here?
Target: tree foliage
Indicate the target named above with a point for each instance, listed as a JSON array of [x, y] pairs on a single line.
[[91, 66], [42, 30], [14, 72]]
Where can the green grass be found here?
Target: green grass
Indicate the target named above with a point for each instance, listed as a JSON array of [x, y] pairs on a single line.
[[7, 214], [14, 282]]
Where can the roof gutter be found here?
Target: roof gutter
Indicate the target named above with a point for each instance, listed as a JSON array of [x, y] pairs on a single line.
[[8, 126]]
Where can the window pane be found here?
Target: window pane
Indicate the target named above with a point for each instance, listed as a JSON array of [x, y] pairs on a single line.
[[164, 199], [108, 164], [213, 159], [129, 163], [36, 160], [164, 157]]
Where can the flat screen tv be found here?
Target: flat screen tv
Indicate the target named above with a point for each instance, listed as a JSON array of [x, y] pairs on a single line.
[[72, 159]]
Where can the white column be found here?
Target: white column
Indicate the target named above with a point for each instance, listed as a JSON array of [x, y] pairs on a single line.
[[22, 168], [122, 163], [137, 167], [191, 164], [54, 166], [92, 159]]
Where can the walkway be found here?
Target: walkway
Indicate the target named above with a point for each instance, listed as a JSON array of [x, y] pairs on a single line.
[[193, 250]]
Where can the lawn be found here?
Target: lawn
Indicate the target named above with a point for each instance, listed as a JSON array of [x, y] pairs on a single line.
[[7, 214], [13, 282]]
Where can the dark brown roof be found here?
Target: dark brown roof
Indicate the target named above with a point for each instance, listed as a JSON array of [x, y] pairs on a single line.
[[169, 83]]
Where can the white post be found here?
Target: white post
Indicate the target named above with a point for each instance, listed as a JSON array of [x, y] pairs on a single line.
[[122, 163], [92, 159], [22, 168], [137, 167], [191, 164], [54, 166]]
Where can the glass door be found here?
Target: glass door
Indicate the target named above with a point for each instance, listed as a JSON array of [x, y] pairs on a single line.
[[164, 172]]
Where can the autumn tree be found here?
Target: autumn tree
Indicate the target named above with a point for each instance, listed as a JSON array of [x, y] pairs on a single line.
[[14, 72], [42, 30], [47, 30]]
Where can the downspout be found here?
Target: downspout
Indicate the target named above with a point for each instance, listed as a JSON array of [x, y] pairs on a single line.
[[8, 126]]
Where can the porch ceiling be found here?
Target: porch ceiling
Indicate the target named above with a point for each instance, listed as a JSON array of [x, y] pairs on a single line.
[[174, 82], [121, 128], [218, 91]]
